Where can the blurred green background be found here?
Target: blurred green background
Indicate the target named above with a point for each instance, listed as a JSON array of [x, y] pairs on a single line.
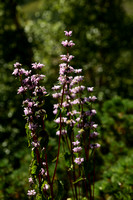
[[32, 31]]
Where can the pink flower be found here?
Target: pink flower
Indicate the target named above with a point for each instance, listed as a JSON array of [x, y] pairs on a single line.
[[42, 171], [36, 78], [64, 43], [90, 99], [66, 58], [78, 119], [35, 144], [93, 112], [70, 69], [23, 71], [62, 70], [76, 101], [70, 43], [94, 146], [94, 125], [63, 120], [63, 64], [30, 180], [30, 104], [40, 90], [76, 80], [65, 104], [56, 106], [93, 98], [56, 95], [78, 71], [55, 111], [79, 160], [27, 73], [56, 87], [15, 72], [94, 134], [70, 58], [46, 187], [90, 89], [27, 111], [44, 163], [77, 89], [31, 192], [78, 136], [17, 64], [90, 113], [21, 89], [71, 122], [32, 126], [77, 149], [68, 33], [67, 43], [63, 57], [37, 66], [63, 132], [76, 143]]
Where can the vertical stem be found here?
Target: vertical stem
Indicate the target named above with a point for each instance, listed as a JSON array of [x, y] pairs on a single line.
[[88, 158], [93, 174], [59, 135], [38, 159], [79, 182], [51, 186], [87, 148], [89, 179], [71, 185], [86, 190], [90, 186], [74, 175], [57, 154], [86, 155]]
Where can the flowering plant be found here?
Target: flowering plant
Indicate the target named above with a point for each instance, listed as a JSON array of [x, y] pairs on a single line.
[[76, 130]]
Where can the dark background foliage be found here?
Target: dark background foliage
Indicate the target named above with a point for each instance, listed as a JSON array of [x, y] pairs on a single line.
[[32, 31]]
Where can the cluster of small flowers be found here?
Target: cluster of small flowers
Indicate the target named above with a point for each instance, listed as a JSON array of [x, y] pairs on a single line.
[[87, 125], [33, 110], [43, 174], [83, 123], [30, 83], [64, 88], [33, 192], [70, 89], [77, 149]]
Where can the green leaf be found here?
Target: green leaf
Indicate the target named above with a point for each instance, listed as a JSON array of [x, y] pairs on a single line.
[[28, 132], [79, 179], [33, 169], [45, 182], [38, 197]]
